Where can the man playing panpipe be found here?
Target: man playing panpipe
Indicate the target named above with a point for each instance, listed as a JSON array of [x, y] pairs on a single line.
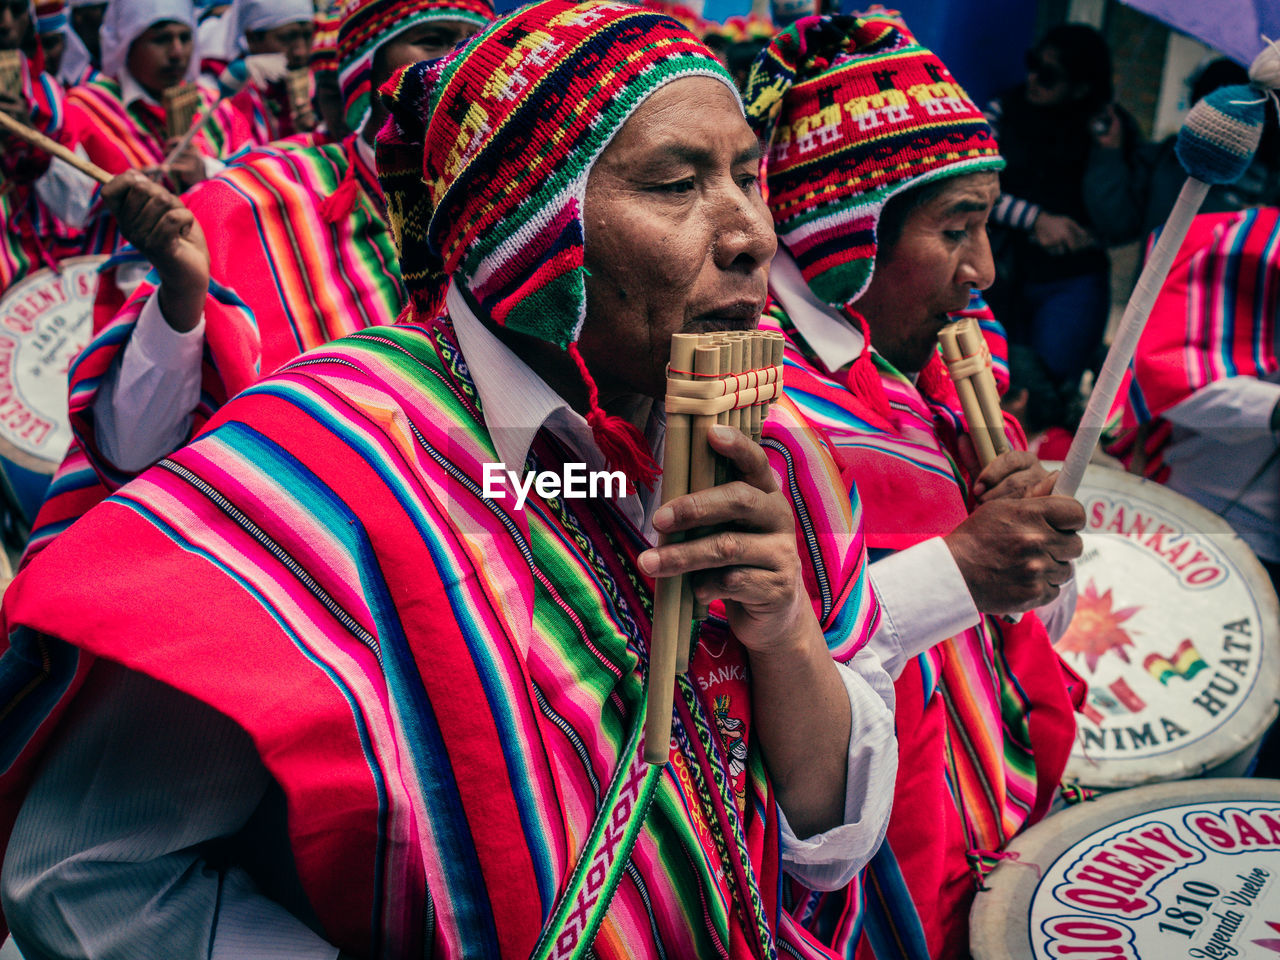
[[283, 27], [285, 250], [856, 112], [118, 118], [315, 608], [30, 237]]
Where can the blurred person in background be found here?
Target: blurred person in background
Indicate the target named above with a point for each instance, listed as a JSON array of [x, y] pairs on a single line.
[[1053, 290], [1130, 186]]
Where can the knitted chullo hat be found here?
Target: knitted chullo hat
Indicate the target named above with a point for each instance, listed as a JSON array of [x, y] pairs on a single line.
[[324, 43], [365, 26], [368, 24], [853, 110], [50, 16], [512, 123]]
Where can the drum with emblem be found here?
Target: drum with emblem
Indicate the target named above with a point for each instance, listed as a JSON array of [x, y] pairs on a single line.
[[1176, 632], [45, 321], [1187, 870]]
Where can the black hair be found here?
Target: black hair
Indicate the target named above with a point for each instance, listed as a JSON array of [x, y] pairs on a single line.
[[1086, 58], [1216, 74]]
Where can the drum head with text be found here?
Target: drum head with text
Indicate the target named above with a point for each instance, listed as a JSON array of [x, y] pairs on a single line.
[[1171, 870], [1175, 631]]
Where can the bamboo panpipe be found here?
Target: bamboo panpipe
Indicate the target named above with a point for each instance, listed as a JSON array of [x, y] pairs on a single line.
[[11, 73], [968, 360], [713, 378], [38, 139], [297, 85], [180, 106]]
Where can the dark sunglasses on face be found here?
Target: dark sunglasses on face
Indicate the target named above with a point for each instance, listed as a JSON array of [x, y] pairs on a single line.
[[1047, 74]]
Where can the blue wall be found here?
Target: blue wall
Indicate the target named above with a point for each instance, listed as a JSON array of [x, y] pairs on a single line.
[[982, 42]]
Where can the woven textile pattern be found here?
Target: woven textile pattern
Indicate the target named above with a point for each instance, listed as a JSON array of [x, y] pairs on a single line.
[[470, 674], [285, 280]]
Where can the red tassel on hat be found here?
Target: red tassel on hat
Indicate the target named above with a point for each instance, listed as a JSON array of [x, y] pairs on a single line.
[[864, 379], [338, 205], [623, 445]]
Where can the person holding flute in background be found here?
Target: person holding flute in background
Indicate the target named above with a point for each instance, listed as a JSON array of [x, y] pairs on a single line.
[[882, 174], [313, 608]]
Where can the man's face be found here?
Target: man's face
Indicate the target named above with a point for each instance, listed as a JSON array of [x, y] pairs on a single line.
[[426, 41], [53, 45], [292, 39], [15, 20], [86, 22], [678, 238], [942, 254], [159, 57]]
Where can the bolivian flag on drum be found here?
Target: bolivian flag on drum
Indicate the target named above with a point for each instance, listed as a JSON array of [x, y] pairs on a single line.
[[1185, 663]]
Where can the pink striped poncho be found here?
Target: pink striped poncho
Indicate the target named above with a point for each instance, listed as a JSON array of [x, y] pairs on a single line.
[[286, 279], [984, 719], [443, 686], [1215, 317]]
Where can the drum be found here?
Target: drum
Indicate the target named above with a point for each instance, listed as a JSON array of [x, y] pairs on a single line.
[[45, 321], [1171, 870], [1175, 630]]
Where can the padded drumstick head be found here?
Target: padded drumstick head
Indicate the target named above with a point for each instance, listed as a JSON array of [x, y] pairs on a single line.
[[1221, 133]]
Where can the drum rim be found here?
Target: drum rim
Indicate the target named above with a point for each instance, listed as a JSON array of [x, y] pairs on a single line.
[[8, 449], [1007, 896], [1251, 720]]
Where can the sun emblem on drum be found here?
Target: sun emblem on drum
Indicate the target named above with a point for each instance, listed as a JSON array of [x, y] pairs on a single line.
[[1095, 628]]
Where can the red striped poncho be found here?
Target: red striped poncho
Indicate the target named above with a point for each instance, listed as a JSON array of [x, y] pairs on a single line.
[[985, 721], [443, 686], [1215, 318], [118, 138], [285, 280], [30, 236]]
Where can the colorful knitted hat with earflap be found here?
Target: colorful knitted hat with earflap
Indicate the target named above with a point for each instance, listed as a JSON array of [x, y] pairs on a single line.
[[368, 24], [852, 110], [365, 26], [512, 123], [51, 16]]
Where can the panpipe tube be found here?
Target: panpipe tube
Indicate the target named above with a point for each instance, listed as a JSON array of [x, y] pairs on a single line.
[[973, 343], [954, 356], [702, 461], [757, 363], [668, 631]]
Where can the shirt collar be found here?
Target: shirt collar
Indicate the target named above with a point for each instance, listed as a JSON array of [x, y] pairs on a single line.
[[518, 403], [831, 337], [131, 90]]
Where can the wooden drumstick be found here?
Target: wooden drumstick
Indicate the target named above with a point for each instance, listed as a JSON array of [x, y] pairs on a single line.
[[668, 633], [38, 139]]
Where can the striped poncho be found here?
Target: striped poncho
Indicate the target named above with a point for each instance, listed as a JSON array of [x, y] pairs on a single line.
[[285, 280], [1216, 317], [444, 687], [30, 236], [984, 717], [120, 137]]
